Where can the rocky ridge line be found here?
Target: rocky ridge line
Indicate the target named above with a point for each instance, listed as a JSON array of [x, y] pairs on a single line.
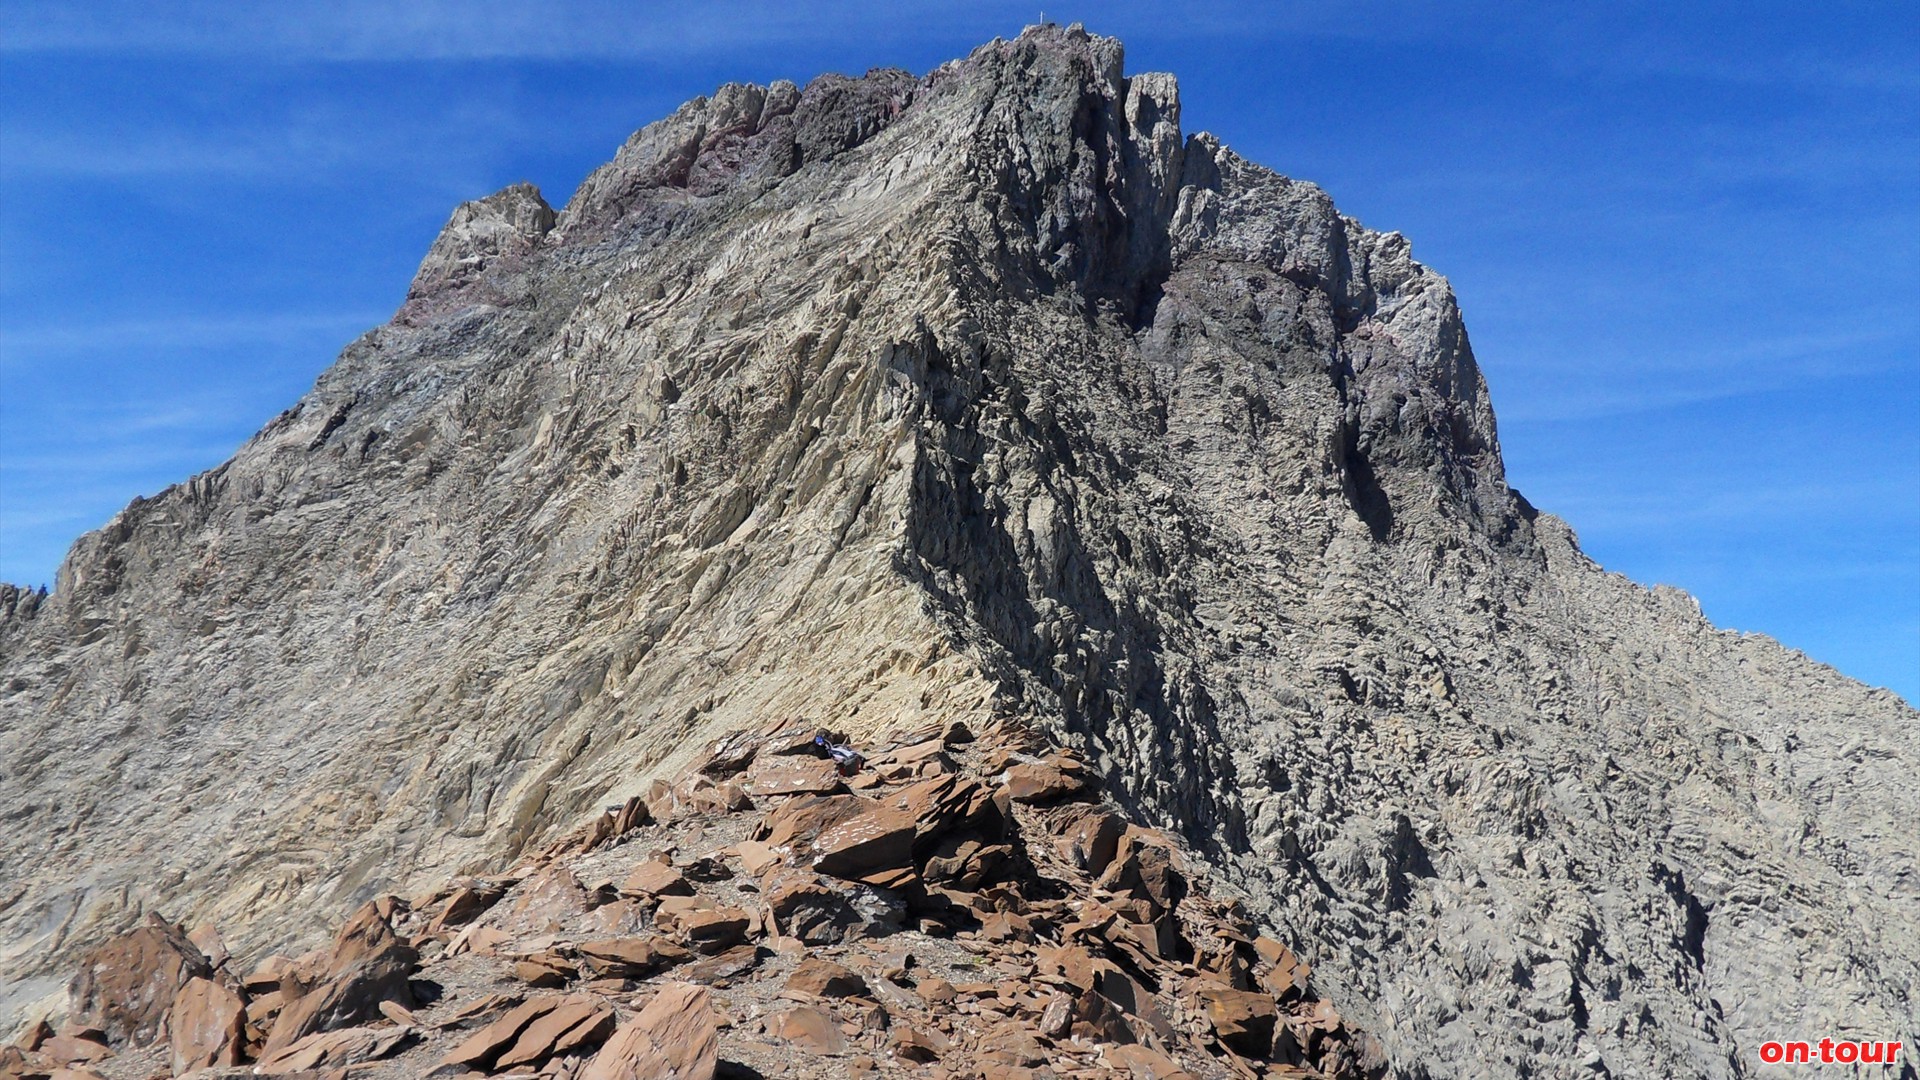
[[992, 392], [965, 907]]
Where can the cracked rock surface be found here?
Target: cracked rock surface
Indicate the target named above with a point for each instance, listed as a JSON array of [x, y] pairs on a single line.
[[890, 401]]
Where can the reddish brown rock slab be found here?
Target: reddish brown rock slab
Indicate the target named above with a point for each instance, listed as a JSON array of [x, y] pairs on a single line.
[[367, 965], [876, 844], [796, 740], [824, 978], [722, 798], [1117, 986], [755, 857], [617, 919], [467, 901], [126, 986], [1286, 975], [333, 1049], [576, 1023], [1088, 836], [262, 1009], [1099, 1020], [811, 1029], [995, 1070], [656, 878], [722, 969], [793, 776], [673, 1036], [1011, 1042], [633, 814], [809, 909], [921, 759], [78, 1030], [1071, 964], [1043, 782], [1006, 926], [207, 1026], [731, 754], [893, 998], [206, 937], [1138, 1062], [1143, 867], [965, 862], [954, 803], [914, 1044], [485, 1006], [936, 991], [541, 904], [630, 956], [73, 1050], [1223, 958], [795, 824], [706, 926], [710, 867], [546, 969], [1056, 1018], [37, 1032], [480, 940], [480, 1049], [1320, 1016], [610, 826], [1241, 1019], [265, 976], [1144, 942], [914, 753], [663, 801]]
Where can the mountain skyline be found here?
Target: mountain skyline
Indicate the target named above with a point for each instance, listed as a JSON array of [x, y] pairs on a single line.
[[996, 399], [1657, 227]]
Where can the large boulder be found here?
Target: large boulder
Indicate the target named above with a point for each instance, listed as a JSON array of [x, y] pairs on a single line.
[[207, 1026], [706, 926], [675, 1037], [368, 964], [874, 846], [127, 986], [816, 911]]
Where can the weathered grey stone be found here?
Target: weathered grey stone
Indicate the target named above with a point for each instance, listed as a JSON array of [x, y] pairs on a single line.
[[888, 402]]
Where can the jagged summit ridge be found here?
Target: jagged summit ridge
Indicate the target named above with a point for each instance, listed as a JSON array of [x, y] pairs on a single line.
[[888, 401]]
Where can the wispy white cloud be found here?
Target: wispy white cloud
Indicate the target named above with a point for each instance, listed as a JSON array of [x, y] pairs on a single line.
[[21, 345], [288, 144], [1572, 41], [1602, 501], [68, 464], [363, 30], [1542, 384], [426, 29]]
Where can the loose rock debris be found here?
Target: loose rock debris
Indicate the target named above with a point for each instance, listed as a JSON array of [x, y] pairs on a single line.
[[973, 910]]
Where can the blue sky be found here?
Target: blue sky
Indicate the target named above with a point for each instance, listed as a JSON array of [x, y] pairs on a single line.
[[1688, 244]]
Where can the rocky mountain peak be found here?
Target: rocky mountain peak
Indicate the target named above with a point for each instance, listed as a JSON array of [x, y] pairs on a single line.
[[508, 223], [987, 397]]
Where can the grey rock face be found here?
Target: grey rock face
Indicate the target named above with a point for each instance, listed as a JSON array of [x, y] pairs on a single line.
[[892, 399], [509, 223]]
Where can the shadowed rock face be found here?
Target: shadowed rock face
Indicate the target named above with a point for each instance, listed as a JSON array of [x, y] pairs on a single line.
[[892, 400]]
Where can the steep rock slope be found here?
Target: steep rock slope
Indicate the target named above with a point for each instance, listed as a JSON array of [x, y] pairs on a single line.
[[893, 400]]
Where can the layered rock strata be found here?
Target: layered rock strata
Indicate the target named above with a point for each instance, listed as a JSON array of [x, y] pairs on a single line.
[[988, 393], [966, 908]]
